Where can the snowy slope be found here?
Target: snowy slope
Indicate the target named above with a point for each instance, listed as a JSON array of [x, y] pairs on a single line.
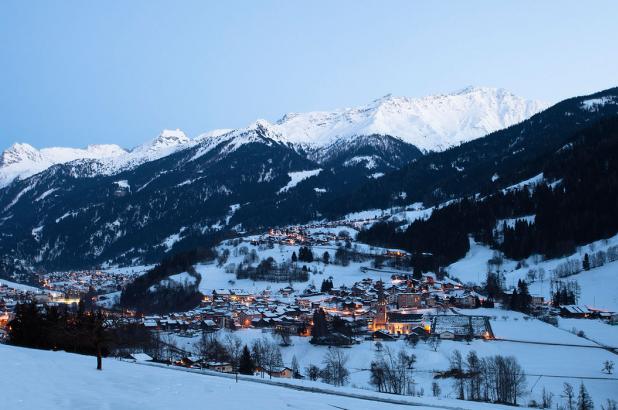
[[56, 380], [599, 287], [431, 123]]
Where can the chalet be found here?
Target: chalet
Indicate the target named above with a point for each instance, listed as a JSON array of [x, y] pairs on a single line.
[[383, 335], [394, 253], [446, 335], [419, 331], [222, 367], [209, 325], [223, 294], [287, 291], [246, 317], [281, 372], [151, 324], [139, 357], [408, 300], [574, 311], [537, 300], [188, 362], [261, 322]]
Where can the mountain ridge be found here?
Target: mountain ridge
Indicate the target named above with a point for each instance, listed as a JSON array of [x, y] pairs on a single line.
[[428, 123]]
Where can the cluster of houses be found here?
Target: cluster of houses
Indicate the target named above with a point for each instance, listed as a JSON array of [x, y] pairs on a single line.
[[368, 308], [74, 284], [308, 235], [10, 296], [585, 312]]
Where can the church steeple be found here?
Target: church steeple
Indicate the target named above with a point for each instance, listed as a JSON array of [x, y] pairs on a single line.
[[381, 318]]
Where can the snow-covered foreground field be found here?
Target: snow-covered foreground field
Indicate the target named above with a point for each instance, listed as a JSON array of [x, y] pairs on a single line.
[[43, 380], [550, 356]]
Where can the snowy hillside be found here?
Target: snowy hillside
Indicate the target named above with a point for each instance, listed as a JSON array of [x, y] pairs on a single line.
[[431, 123], [58, 380]]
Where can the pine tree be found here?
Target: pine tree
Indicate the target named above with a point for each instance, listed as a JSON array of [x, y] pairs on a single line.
[[584, 402], [524, 296], [296, 368], [586, 262], [514, 303], [326, 258], [320, 326], [294, 257], [246, 365], [417, 273]]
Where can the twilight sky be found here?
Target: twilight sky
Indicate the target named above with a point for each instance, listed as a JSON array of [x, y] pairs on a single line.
[[77, 72]]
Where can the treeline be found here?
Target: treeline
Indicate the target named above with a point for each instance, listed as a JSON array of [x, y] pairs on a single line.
[[144, 295], [269, 270], [578, 209], [59, 327], [496, 379]]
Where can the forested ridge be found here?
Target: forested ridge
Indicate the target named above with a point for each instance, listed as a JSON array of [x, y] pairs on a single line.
[[575, 205]]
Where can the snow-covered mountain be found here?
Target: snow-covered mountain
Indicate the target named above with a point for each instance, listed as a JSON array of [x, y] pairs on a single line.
[[23, 160], [431, 123], [174, 193]]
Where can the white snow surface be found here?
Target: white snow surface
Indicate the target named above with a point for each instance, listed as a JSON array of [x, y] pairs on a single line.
[[297, 177], [179, 279], [38, 379], [593, 104]]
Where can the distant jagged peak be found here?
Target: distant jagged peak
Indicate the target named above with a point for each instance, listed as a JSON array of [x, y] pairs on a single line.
[[19, 152], [165, 140]]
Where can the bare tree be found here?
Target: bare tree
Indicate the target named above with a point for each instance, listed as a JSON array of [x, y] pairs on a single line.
[[435, 389], [284, 334], [391, 372], [608, 366], [434, 343], [209, 347], [546, 399], [473, 370], [313, 372], [456, 368], [233, 345], [266, 355], [569, 394], [335, 371], [510, 379]]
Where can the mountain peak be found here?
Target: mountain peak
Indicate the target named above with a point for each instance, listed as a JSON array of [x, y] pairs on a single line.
[[19, 152], [166, 140]]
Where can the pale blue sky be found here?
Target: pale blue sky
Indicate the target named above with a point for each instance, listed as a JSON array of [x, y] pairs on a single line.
[[81, 72]]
